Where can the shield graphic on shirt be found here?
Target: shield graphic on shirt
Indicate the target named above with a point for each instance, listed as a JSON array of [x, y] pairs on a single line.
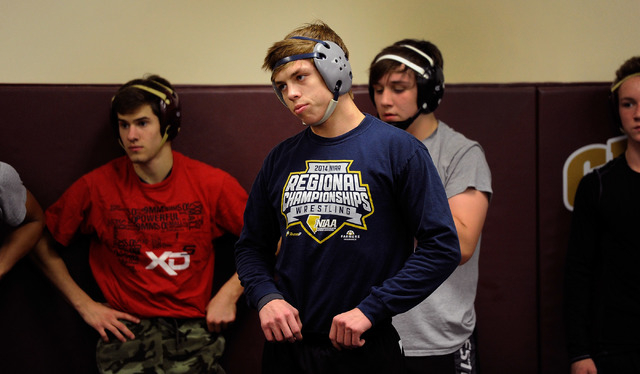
[[325, 198]]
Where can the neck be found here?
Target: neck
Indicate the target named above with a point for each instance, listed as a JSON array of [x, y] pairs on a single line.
[[423, 126], [345, 118], [158, 168]]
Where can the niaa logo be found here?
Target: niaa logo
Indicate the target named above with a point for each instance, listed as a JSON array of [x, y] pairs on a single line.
[[326, 197]]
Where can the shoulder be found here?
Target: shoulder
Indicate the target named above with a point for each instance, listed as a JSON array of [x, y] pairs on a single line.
[[383, 132], [286, 147], [183, 161], [13, 196], [455, 138], [591, 183], [199, 171], [604, 172], [8, 175], [610, 168]]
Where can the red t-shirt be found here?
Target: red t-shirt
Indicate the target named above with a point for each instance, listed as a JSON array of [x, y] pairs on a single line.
[[152, 245]]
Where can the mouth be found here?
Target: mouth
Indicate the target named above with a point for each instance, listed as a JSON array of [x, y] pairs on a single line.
[[300, 108], [135, 148], [389, 116]]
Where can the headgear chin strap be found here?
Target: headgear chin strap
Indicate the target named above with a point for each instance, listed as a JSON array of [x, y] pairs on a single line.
[[403, 125], [332, 64]]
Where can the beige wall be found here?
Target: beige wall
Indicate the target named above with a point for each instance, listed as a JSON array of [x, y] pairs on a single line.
[[224, 41]]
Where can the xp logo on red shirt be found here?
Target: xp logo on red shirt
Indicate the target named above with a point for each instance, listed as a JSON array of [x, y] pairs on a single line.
[[169, 261]]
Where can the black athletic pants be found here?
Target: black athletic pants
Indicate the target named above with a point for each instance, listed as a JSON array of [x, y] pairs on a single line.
[[315, 355]]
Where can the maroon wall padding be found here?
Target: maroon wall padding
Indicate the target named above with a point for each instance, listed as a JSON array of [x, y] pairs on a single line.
[[52, 134], [570, 117]]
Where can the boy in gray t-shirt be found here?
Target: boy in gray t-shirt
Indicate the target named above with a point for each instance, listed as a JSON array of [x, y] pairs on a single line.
[[406, 84]]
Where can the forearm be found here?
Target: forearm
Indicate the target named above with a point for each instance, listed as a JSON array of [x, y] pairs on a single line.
[[54, 268], [24, 237], [231, 290], [18, 243], [221, 310]]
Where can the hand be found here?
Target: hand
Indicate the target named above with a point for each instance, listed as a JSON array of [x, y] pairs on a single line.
[[220, 313], [102, 317], [586, 366], [280, 321], [347, 329]]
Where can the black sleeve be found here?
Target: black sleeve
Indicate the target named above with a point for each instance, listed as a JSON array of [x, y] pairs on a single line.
[[580, 274]]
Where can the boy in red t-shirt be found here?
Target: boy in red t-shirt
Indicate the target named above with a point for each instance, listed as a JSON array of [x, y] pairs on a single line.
[[152, 216]]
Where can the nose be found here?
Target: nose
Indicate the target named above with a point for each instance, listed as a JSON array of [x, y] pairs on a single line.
[[131, 133], [384, 98], [293, 92]]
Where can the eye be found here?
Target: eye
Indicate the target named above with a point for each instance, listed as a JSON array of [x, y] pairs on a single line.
[[281, 87], [626, 104], [123, 125]]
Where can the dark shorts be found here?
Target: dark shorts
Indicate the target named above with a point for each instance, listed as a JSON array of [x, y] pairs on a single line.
[[163, 345], [315, 355], [462, 361]]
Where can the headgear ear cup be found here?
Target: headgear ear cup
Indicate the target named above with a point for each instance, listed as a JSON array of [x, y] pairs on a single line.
[[169, 104]]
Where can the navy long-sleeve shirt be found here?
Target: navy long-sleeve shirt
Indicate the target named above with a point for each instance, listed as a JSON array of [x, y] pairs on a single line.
[[347, 210]]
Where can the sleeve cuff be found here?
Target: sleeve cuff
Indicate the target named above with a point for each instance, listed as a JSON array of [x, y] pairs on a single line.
[[269, 297]]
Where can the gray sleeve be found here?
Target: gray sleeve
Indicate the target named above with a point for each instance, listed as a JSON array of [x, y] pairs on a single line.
[[13, 196], [469, 169]]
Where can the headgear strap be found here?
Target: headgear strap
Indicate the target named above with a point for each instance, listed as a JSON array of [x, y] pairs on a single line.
[[617, 85]]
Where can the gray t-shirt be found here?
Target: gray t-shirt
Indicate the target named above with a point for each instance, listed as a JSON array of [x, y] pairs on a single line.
[[442, 322], [13, 196]]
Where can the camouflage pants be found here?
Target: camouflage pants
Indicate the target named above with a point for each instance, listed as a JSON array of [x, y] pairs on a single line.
[[163, 345]]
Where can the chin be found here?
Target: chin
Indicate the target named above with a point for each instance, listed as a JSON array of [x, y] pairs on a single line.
[[137, 159]]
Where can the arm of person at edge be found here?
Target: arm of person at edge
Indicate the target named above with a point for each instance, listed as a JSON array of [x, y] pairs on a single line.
[[22, 238], [221, 310], [100, 316], [586, 366], [469, 210]]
